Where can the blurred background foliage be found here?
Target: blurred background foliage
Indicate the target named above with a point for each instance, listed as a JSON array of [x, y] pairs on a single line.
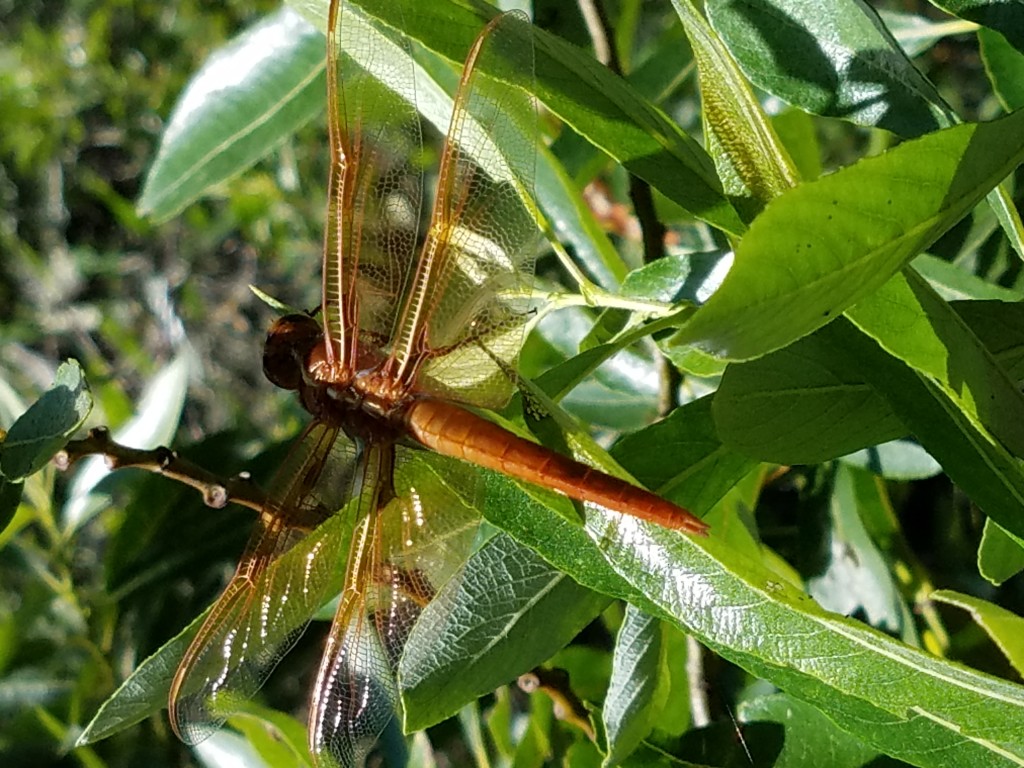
[[85, 88]]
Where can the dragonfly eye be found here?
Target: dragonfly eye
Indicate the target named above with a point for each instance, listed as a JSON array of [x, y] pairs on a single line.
[[289, 342]]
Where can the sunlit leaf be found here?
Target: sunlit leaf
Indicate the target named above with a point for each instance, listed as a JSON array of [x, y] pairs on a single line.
[[1005, 67], [247, 98], [753, 164], [639, 684], [843, 63], [1001, 554]]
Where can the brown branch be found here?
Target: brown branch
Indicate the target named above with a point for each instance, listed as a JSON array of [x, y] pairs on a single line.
[[216, 491]]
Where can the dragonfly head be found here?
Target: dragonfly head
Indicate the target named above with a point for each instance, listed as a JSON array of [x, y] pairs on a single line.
[[289, 342]]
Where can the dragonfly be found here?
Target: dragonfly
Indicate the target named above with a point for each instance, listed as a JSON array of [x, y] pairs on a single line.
[[418, 330]]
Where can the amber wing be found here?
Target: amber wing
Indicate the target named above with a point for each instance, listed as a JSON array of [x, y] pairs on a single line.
[[374, 187], [461, 325], [411, 535], [275, 590]]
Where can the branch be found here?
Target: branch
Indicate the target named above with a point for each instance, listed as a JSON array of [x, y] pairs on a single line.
[[216, 491]]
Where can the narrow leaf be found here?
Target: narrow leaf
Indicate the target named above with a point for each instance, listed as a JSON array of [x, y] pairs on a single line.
[[911, 322], [45, 427], [1005, 67], [683, 459], [803, 404], [1000, 554], [751, 160], [598, 105], [895, 460], [940, 714], [1005, 628], [244, 101], [279, 739], [857, 579], [810, 739], [981, 465], [638, 686], [144, 691]]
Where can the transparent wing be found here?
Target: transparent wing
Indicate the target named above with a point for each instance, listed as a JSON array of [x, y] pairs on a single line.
[[374, 187], [461, 326], [411, 537], [284, 576]]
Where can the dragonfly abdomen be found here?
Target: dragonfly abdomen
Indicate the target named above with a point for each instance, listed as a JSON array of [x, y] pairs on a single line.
[[453, 431]]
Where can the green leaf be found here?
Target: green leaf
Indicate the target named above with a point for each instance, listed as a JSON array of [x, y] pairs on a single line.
[[278, 738], [570, 216], [752, 162], [605, 386], [1000, 327], [504, 613], [803, 404], [1005, 67], [153, 423], [895, 460], [1005, 628], [912, 323], [1001, 554], [45, 427], [843, 63], [1005, 16], [952, 282], [247, 98], [827, 244], [811, 401], [798, 133], [650, 757], [810, 739], [676, 278], [939, 714], [972, 458], [917, 34], [226, 747], [638, 687], [144, 691]]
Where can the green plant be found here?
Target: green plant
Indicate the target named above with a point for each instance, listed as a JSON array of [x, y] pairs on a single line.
[[867, 339]]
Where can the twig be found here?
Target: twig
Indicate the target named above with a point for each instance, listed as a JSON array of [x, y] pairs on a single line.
[[216, 491]]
